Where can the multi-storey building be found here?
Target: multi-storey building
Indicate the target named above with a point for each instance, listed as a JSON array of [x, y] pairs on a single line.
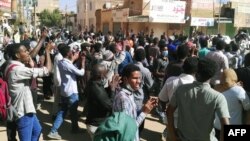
[[47, 4], [86, 11]]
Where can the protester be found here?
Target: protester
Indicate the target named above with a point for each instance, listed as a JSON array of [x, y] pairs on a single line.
[[28, 126], [236, 96], [220, 59], [69, 92], [197, 104], [124, 100], [99, 100]]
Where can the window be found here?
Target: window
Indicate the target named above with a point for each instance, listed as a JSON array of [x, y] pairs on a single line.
[[90, 6]]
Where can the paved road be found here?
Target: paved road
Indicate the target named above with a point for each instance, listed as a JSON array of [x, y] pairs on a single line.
[[152, 131]]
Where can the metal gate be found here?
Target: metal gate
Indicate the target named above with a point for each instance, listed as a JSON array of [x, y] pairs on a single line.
[[105, 29], [116, 28]]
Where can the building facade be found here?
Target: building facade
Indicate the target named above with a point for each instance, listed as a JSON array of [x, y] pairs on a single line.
[[135, 15], [86, 11], [47, 4]]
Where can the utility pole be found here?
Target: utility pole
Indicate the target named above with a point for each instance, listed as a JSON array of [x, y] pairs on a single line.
[[86, 14], [35, 16], [219, 17], [66, 16], [20, 10]]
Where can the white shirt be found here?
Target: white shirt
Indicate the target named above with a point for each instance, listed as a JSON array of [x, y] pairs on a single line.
[[68, 74], [237, 100], [56, 76], [170, 86], [19, 86]]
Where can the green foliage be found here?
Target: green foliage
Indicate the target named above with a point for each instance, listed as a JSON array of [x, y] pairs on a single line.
[[48, 18]]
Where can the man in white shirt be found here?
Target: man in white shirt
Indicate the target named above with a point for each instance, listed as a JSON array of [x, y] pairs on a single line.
[[19, 76], [220, 59], [57, 80], [172, 83], [68, 88]]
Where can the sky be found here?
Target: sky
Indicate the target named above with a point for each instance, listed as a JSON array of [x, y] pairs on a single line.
[[71, 4]]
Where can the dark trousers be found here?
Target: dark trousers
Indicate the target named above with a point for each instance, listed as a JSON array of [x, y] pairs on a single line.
[[11, 131], [217, 133], [141, 127]]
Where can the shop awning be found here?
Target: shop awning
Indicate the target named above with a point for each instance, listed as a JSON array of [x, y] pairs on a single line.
[[138, 19], [7, 15]]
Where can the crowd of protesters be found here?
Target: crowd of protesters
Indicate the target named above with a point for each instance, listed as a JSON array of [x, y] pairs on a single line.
[[194, 88]]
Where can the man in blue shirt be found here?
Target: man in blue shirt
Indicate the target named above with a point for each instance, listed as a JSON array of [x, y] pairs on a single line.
[[69, 92]]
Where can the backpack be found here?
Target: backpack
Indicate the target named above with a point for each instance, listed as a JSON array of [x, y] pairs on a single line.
[[118, 127], [5, 99]]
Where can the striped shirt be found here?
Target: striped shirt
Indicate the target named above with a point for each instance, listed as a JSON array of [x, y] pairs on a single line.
[[124, 102]]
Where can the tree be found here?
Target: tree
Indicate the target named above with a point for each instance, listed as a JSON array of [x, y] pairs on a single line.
[[49, 19]]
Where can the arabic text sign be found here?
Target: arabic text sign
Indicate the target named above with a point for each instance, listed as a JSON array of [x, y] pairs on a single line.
[[243, 8], [162, 11], [5, 3], [195, 21]]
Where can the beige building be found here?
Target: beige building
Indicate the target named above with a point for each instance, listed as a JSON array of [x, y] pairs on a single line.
[[86, 11], [47, 4], [134, 15], [70, 22]]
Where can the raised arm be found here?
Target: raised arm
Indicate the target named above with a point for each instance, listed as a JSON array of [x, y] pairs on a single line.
[[35, 51]]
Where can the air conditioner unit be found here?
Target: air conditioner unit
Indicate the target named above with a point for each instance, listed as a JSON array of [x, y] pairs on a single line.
[[107, 5], [120, 4]]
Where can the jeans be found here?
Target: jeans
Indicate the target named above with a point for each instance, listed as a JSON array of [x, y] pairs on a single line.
[[70, 103], [29, 128]]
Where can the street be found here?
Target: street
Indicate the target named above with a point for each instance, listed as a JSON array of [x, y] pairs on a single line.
[[152, 131]]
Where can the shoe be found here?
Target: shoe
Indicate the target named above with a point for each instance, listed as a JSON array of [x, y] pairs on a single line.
[[54, 135], [47, 97]]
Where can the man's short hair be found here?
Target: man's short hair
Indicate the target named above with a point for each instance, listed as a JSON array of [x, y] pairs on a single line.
[[140, 55], [206, 69], [64, 50], [182, 51], [203, 42], [98, 47], [84, 46], [97, 69], [155, 40], [14, 49], [111, 47], [129, 69], [235, 47], [220, 45], [190, 65]]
